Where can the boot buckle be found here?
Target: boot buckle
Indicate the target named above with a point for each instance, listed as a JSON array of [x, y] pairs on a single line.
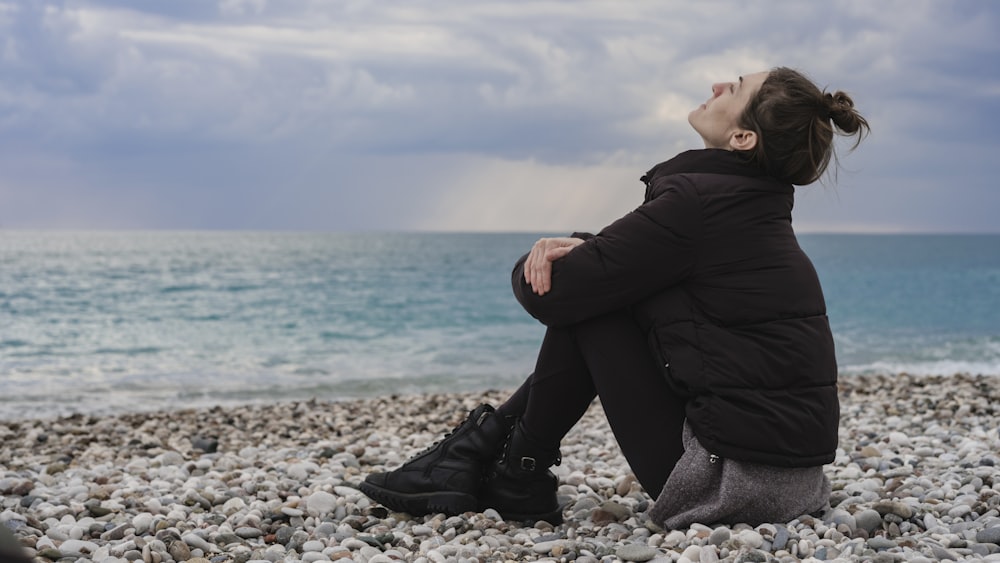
[[528, 463]]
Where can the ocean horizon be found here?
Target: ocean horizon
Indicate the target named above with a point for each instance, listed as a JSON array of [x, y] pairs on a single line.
[[101, 322]]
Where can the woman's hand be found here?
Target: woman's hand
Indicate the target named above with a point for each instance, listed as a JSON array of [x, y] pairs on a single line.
[[538, 266]]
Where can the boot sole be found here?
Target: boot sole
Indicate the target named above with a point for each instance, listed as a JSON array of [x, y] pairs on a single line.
[[555, 517], [419, 504]]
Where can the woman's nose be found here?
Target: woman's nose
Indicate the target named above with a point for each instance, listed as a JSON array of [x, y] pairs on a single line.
[[717, 89]]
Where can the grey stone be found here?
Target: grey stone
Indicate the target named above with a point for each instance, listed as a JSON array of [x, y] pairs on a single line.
[[981, 549], [226, 538], [196, 541], [780, 539], [942, 554], [844, 517], [542, 547], [208, 445], [635, 552], [719, 536], [752, 556], [989, 535], [325, 530], [116, 533], [247, 532], [896, 507], [868, 520], [179, 551], [619, 511], [879, 542], [284, 534]]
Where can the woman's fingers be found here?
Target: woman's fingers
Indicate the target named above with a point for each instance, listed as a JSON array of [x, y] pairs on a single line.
[[533, 266], [542, 277], [538, 266], [531, 263]]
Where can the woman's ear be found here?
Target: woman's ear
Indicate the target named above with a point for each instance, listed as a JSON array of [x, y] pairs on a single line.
[[743, 140]]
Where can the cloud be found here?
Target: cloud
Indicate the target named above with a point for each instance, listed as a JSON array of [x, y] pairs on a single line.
[[256, 106], [241, 7]]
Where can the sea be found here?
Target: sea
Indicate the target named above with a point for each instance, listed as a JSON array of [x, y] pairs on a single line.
[[112, 321]]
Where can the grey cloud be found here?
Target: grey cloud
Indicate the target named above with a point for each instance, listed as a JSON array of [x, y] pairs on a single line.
[[238, 108]]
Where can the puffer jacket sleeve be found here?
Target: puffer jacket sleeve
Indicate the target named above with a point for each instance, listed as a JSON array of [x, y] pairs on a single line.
[[647, 250]]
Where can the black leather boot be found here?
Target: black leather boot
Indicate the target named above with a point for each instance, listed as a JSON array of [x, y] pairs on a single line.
[[519, 485], [448, 476]]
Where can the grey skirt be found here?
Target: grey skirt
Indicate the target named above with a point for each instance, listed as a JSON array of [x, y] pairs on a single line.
[[709, 490]]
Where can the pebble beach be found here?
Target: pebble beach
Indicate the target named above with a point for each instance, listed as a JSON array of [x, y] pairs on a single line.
[[916, 478]]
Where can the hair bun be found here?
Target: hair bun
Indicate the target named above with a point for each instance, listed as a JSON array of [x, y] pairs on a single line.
[[840, 108]]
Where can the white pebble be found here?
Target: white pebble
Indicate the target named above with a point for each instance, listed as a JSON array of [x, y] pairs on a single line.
[[959, 511], [674, 538], [899, 439], [196, 541], [347, 492], [78, 546], [141, 522], [692, 553], [233, 505], [421, 530], [708, 554], [545, 546], [352, 544], [750, 538], [314, 545], [300, 471], [320, 503]]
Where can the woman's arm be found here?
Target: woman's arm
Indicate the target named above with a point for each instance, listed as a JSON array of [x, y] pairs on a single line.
[[645, 251]]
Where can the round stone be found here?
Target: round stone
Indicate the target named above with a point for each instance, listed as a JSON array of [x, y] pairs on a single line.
[[320, 502], [843, 517], [780, 539], [315, 545], [879, 542], [896, 507], [719, 536], [546, 547], [868, 520], [635, 552], [750, 538], [989, 535], [870, 451], [246, 532]]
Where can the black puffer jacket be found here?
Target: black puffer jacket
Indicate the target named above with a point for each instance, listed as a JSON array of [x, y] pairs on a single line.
[[711, 270]]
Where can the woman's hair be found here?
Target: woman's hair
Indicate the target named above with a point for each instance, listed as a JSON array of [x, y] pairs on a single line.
[[795, 122]]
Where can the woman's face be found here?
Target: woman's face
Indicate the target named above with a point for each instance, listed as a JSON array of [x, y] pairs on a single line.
[[716, 119]]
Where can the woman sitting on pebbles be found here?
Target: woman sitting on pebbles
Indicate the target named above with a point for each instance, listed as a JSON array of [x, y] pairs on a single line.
[[697, 320]]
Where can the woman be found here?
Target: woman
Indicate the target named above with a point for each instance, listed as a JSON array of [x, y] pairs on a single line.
[[697, 320]]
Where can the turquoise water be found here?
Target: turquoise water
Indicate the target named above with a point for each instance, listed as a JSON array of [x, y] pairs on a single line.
[[107, 321]]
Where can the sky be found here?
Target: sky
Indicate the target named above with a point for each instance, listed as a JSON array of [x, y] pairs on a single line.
[[344, 115]]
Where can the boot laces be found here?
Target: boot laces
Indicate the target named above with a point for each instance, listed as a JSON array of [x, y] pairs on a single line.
[[450, 432]]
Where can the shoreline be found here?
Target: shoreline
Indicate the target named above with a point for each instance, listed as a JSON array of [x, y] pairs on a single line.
[[917, 477], [223, 402]]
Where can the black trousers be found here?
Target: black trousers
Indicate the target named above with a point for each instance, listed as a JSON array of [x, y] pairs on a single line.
[[606, 357]]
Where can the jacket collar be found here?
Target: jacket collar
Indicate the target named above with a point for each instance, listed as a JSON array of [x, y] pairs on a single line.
[[705, 161], [712, 161]]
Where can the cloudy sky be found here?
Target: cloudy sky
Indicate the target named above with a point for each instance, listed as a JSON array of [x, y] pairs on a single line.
[[343, 115]]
